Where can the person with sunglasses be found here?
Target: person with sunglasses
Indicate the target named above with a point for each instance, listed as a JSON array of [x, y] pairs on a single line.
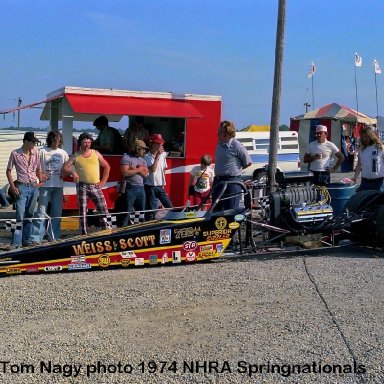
[[231, 157], [319, 154]]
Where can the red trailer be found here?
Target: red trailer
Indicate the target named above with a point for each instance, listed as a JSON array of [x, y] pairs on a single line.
[[195, 118]]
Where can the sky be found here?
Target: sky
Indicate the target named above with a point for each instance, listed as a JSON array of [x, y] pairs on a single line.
[[214, 47]]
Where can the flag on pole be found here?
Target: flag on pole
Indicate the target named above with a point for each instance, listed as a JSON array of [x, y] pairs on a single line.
[[312, 70], [358, 60], [377, 66]]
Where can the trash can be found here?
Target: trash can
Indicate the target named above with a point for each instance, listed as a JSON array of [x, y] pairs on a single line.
[[340, 194]]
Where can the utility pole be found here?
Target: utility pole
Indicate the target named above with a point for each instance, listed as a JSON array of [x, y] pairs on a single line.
[[19, 101], [275, 114]]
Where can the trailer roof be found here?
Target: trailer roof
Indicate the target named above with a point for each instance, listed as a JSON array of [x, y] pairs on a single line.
[[89, 102], [127, 93], [96, 101]]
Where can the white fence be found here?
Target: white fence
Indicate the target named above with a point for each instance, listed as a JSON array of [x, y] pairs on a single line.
[[10, 140]]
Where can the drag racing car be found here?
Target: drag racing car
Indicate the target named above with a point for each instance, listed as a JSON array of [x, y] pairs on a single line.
[[296, 215]]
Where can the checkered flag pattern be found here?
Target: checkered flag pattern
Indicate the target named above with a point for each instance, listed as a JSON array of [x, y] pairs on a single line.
[[137, 217], [111, 221], [14, 226], [264, 202]]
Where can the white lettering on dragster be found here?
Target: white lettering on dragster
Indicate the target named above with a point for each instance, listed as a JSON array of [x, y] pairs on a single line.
[[189, 245]]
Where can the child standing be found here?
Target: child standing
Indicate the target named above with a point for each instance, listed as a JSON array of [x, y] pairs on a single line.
[[201, 180]]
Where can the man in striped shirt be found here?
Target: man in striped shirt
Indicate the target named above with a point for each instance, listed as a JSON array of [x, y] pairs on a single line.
[[26, 161]]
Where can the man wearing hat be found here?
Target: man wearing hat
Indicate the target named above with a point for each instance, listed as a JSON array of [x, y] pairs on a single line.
[[155, 182], [319, 155], [134, 169], [26, 161]]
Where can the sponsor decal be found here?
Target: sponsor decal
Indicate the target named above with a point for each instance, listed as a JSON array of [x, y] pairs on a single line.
[[53, 268], [176, 256], [190, 256], [128, 254], [104, 261], [152, 259], [85, 248], [125, 262], [137, 242], [5, 259], [74, 267], [206, 255], [221, 222], [13, 271], [32, 269], [98, 247], [219, 248], [233, 225], [139, 261], [217, 234], [207, 247], [190, 215], [164, 258], [165, 236], [181, 233], [189, 245], [78, 259], [239, 218]]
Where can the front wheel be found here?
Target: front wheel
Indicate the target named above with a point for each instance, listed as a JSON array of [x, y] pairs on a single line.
[[260, 177]]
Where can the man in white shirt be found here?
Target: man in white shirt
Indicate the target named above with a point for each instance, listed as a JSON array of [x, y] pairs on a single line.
[[52, 159], [155, 182], [319, 154]]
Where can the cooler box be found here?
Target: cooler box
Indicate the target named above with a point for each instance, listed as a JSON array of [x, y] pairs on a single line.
[[340, 194]]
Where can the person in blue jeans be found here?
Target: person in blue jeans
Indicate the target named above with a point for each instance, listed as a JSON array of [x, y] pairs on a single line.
[[52, 159], [230, 159], [134, 169], [155, 182], [26, 161]]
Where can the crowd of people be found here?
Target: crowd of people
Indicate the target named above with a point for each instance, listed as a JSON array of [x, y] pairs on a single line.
[[38, 189]]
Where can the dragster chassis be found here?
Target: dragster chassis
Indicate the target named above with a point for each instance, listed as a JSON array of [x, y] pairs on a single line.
[[193, 235]]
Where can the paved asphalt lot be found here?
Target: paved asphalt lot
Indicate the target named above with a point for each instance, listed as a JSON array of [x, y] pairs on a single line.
[[308, 310]]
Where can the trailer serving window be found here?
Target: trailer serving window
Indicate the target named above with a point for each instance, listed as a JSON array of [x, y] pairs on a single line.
[[171, 129]]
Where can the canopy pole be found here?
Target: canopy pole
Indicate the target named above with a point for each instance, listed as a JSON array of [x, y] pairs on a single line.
[[276, 98], [377, 103], [313, 94], [357, 99]]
